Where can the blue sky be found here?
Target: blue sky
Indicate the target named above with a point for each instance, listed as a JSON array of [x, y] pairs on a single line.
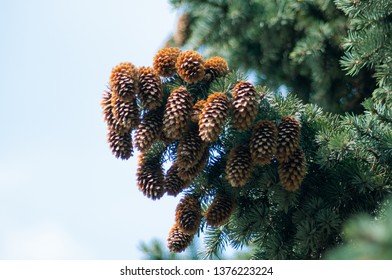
[[62, 194]]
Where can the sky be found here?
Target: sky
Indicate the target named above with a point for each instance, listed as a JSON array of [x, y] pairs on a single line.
[[62, 193]]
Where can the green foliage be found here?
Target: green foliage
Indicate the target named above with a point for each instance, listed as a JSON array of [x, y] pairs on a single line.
[[156, 250], [293, 43], [366, 237], [369, 40]]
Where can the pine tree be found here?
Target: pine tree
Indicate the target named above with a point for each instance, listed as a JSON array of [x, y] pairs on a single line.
[[287, 198], [293, 43]]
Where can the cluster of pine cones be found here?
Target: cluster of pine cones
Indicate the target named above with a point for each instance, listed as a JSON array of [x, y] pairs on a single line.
[[135, 101], [188, 218]]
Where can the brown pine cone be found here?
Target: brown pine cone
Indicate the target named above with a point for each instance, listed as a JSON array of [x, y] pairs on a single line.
[[124, 81], [293, 171], [149, 177], [165, 61], [183, 30], [239, 166], [263, 142], [288, 138], [213, 116], [220, 210], [150, 88], [107, 111], [120, 144], [190, 149], [196, 110], [149, 130], [178, 240], [215, 67], [177, 113], [127, 113], [190, 66], [173, 183], [245, 105], [191, 173], [106, 105], [188, 215]]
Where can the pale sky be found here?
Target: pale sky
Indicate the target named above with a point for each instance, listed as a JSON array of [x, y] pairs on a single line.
[[62, 193]]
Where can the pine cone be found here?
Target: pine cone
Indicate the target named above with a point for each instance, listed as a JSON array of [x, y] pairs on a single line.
[[173, 183], [124, 81], [293, 171], [215, 67], [196, 110], [150, 88], [115, 126], [165, 61], [107, 111], [288, 138], [178, 240], [220, 210], [177, 113], [120, 144], [188, 215], [263, 142], [239, 166], [190, 149], [149, 130], [106, 105], [183, 30], [213, 116], [245, 105], [191, 173], [126, 112], [150, 177], [190, 66]]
